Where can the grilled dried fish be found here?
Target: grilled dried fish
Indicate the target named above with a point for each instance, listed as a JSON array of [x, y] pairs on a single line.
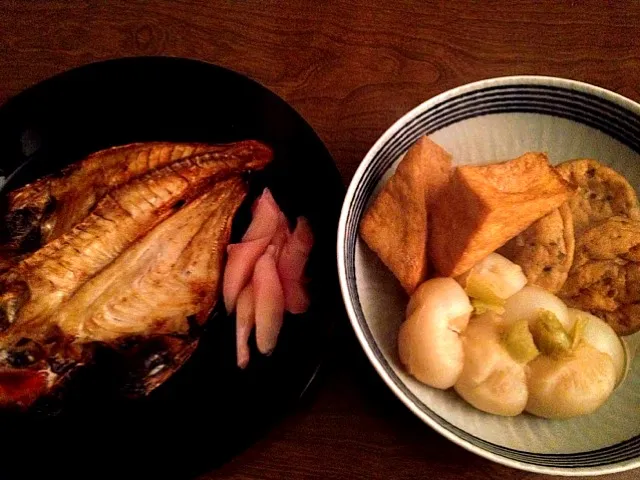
[[119, 219], [45, 209], [136, 275]]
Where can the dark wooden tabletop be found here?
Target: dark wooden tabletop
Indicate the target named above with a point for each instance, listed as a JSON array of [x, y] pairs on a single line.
[[351, 68]]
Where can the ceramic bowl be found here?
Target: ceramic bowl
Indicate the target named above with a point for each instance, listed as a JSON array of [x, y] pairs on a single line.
[[485, 122]]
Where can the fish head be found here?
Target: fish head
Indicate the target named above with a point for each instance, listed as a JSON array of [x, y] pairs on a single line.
[[24, 375], [31, 369]]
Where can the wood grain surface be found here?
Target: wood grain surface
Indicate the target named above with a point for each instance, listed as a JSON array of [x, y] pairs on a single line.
[[351, 68]]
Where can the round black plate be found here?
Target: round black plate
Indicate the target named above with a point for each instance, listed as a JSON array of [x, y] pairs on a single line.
[[210, 409]]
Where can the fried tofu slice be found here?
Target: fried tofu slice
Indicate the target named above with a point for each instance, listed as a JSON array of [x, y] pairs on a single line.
[[395, 224], [483, 207]]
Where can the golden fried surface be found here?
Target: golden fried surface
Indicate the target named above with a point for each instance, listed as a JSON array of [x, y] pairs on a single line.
[[483, 207], [601, 193], [395, 224], [545, 249], [605, 276]]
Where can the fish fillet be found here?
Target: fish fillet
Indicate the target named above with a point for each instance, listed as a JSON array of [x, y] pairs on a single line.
[[172, 273], [58, 269], [45, 209]]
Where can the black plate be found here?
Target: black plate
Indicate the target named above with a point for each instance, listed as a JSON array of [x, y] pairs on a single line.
[[210, 409]]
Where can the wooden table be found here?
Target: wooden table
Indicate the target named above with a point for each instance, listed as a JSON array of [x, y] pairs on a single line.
[[351, 68]]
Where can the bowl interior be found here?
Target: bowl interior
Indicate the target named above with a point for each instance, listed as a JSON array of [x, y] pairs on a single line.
[[609, 438]]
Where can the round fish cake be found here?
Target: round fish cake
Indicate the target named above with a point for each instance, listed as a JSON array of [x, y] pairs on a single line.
[[601, 193], [545, 249], [605, 276]]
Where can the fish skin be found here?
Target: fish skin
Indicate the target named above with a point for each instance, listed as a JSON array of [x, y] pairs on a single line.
[[80, 185], [47, 208]]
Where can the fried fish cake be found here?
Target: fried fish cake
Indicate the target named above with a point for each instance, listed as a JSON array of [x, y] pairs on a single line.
[[605, 276], [394, 226], [485, 206], [601, 193], [545, 249]]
